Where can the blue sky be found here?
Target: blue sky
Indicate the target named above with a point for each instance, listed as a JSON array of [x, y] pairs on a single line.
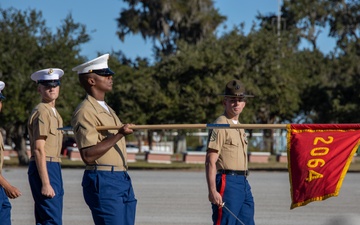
[[99, 18]]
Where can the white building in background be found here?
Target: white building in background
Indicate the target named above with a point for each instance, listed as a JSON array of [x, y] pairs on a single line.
[[164, 142], [256, 141]]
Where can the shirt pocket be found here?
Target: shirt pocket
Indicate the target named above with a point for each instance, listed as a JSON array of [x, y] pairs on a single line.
[[230, 148], [53, 130], [52, 139]]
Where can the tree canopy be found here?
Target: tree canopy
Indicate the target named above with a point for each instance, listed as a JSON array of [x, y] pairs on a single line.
[[165, 22], [27, 45], [291, 84]]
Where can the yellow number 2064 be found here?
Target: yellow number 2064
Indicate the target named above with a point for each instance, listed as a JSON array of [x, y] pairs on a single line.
[[318, 162]]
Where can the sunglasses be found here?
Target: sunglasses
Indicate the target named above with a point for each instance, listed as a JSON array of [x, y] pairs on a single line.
[[102, 72], [49, 83]]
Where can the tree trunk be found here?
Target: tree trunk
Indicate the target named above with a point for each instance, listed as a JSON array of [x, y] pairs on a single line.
[[139, 139], [268, 137], [150, 136], [18, 134]]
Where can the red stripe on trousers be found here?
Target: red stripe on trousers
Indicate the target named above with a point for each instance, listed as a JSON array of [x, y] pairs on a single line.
[[222, 189]]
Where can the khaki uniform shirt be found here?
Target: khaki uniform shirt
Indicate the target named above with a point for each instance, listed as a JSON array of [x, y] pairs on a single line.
[[1, 152], [44, 122], [231, 145], [87, 116]]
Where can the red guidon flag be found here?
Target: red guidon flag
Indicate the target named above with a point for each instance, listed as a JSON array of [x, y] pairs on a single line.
[[319, 156]]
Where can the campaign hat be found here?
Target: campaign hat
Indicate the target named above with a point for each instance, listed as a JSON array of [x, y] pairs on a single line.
[[49, 77], [98, 65], [235, 88]]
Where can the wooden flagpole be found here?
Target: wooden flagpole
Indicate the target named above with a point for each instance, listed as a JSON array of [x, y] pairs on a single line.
[[197, 126]]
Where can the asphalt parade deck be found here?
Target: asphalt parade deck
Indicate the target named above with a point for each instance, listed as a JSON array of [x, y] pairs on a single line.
[[180, 198]]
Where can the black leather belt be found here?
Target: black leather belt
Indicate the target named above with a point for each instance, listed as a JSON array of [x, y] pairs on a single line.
[[234, 172]]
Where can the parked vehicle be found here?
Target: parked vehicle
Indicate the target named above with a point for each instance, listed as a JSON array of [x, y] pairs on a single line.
[[201, 148], [68, 145], [132, 148]]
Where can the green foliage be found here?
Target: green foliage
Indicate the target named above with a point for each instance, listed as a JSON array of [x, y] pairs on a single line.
[[166, 22], [331, 92], [136, 95], [193, 65], [27, 45]]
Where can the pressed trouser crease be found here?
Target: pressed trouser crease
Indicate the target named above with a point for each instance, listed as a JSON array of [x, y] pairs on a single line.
[[110, 197]]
